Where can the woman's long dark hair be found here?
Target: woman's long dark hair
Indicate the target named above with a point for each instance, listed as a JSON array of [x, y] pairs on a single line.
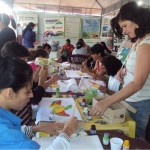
[[15, 73], [28, 27], [132, 12]]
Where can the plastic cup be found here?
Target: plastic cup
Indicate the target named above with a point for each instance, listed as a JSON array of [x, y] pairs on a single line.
[[116, 143]]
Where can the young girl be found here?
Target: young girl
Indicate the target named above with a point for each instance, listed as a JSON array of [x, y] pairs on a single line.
[[97, 54]]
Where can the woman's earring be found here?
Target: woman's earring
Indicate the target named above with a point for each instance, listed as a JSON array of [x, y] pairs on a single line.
[[137, 26]]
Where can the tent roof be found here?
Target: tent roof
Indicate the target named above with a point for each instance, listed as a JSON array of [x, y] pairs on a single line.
[[85, 7]]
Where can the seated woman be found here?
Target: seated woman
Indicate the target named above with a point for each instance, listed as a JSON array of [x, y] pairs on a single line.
[[97, 54], [66, 51], [16, 91], [112, 65], [85, 45], [15, 50], [80, 50]]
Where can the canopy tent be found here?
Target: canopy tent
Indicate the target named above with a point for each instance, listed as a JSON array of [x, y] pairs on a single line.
[[84, 7]]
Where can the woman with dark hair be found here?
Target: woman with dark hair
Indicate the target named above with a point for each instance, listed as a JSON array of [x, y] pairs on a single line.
[[133, 21], [85, 45], [79, 50], [112, 65], [16, 91], [6, 33], [28, 36], [16, 50]]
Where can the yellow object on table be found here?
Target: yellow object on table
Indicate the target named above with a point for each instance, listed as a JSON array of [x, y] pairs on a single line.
[[80, 73], [128, 127], [54, 85]]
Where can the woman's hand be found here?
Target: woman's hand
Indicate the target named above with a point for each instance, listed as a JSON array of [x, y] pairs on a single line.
[[50, 128], [70, 126], [120, 74], [54, 78], [99, 108]]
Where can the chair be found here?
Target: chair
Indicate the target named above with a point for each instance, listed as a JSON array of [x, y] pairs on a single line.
[[77, 59]]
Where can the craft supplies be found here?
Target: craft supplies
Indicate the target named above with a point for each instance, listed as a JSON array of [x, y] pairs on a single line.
[[93, 130], [106, 139], [126, 145], [57, 92]]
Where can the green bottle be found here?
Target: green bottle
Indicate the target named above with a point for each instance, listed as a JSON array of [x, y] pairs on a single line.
[[57, 92]]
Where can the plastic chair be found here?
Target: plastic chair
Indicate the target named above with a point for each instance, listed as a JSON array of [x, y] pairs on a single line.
[[77, 59]]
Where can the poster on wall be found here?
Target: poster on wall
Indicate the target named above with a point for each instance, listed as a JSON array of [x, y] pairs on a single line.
[[91, 28], [106, 28], [72, 27], [24, 19], [54, 26]]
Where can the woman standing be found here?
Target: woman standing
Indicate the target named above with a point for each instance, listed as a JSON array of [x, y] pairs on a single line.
[[28, 36], [134, 21], [6, 33]]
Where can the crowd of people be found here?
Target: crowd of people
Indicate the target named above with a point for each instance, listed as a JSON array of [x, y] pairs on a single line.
[[23, 82]]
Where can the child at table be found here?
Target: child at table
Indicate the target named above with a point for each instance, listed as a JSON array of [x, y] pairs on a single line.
[[97, 54], [111, 65]]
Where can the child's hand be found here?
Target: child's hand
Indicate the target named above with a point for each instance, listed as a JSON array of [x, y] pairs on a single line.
[[103, 89]]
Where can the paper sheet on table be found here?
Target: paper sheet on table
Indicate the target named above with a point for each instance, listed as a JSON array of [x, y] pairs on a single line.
[[76, 74], [44, 109], [86, 83], [65, 65], [77, 143], [64, 86]]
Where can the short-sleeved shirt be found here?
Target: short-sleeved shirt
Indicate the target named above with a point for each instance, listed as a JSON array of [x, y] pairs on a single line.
[[69, 48]]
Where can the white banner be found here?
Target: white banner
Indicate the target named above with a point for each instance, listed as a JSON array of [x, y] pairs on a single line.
[[54, 26]]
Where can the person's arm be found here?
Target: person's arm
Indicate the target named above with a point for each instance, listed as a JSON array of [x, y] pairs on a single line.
[[141, 72], [33, 36], [63, 140], [62, 49]]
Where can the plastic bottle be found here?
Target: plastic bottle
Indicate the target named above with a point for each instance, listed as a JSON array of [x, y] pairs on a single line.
[[57, 92], [93, 130], [126, 145], [85, 111], [89, 117], [106, 139], [83, 103]]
